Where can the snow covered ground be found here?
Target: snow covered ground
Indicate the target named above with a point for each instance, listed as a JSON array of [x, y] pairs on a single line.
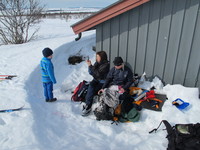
[[59, 125]]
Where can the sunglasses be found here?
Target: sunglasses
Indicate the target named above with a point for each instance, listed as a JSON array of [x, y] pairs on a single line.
[[118, 65]]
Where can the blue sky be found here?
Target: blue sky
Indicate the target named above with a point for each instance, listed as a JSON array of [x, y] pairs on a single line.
[[76, 3]]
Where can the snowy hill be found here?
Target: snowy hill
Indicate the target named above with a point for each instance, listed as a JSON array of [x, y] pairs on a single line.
[[59, 125]]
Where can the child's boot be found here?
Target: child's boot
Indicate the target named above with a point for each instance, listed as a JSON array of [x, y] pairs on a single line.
[[52, 100]]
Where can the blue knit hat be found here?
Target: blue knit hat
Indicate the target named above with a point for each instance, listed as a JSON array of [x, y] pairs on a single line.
[[47, 52]]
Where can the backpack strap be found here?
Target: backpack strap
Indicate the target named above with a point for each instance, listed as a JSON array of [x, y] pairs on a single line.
[[171, 135], [168, 127]]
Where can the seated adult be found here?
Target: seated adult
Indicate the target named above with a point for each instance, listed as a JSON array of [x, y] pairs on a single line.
[[99, 72], [119, 75]]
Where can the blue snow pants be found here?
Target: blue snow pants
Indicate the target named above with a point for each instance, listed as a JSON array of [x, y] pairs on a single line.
[[48, 90]]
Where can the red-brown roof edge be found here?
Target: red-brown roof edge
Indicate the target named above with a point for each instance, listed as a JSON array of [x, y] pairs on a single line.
[[106, 14]]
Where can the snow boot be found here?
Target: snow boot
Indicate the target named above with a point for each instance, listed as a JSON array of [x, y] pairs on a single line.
[[52, 100], [86, 110]]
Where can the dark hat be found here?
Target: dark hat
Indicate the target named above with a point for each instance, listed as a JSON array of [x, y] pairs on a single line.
[[47, 52], [118, 61]]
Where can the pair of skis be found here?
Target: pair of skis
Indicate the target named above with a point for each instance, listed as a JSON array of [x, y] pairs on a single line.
[[11, 110], [7, 77]]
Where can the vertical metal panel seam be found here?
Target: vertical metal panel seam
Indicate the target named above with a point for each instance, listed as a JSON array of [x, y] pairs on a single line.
[[110, 42], [102, 48], [99, 29], [146, 40], [118, 38], [119, 35], [157, 38], [191, 46], [127, 36], [179, 43], [137, 40], [101, 36], [169, 34], [196, 82]]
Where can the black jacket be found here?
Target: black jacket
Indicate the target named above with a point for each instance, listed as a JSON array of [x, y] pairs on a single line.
[[99, 70], [123, 77]]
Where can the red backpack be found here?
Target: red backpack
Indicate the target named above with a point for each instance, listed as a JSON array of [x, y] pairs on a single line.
[[80, 91]]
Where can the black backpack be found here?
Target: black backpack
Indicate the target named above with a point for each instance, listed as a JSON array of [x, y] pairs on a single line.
[[103, 112], [182, 136]]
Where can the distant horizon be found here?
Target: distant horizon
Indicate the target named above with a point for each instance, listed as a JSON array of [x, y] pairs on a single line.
[[73, 7], [77, 3]]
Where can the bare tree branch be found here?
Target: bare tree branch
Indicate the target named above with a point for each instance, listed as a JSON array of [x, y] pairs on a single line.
[[16, 19]]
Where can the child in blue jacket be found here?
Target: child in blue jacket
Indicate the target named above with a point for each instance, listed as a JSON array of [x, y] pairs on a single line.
[[48, 77]]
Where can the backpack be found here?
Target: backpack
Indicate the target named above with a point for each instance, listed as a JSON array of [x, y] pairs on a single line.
[[182, 136], [108, 101], [103, 111], [80, 91], [126, 111], [131, 116], [110, 97]]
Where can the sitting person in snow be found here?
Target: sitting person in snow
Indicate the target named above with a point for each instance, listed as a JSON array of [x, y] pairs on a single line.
[[119, 75], [99, 72], [48, 77]]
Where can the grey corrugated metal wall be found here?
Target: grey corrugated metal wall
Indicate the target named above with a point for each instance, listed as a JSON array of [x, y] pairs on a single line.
[[161, 37]]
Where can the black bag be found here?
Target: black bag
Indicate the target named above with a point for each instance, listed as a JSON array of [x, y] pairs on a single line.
[[103, 112], [182, 136], [127, 111]]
